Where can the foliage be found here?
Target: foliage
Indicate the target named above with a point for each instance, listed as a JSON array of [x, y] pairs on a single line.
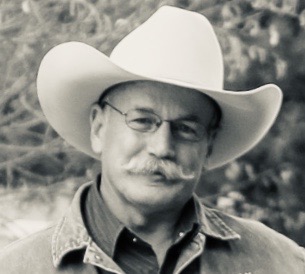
[[262, 42]]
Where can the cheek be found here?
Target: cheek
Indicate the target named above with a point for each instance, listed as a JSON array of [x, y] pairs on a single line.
[[121, 144], [193, 157]]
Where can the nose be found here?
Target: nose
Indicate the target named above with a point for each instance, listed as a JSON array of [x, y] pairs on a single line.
[[161, 143]]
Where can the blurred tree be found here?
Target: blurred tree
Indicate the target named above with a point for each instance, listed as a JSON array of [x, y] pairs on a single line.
[[262, 42]]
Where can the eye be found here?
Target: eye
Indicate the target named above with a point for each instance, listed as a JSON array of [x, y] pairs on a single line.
[[191, 131], [184, 128], [141, 120]]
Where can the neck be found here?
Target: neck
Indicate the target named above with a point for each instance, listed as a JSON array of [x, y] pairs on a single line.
[[155, 225]]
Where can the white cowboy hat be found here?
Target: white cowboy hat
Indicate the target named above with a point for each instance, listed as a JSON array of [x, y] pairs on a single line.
[[173, 46]]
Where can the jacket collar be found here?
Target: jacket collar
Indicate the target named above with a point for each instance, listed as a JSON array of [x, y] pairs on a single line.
[[71, 234], [212, 224]]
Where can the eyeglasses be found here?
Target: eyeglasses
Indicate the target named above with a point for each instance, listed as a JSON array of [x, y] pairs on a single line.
[[143, 120]]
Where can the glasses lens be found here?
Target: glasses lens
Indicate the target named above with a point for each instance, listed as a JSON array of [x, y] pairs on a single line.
[[142, 120], [187, 130]]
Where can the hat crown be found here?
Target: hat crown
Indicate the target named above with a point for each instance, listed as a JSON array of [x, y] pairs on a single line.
[[173, 44]]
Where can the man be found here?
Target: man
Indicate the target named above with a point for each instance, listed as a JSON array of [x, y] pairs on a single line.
[[156, 115]]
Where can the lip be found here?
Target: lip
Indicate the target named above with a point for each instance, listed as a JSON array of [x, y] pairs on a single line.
[[157, 173], [155, 177], [158, 177]]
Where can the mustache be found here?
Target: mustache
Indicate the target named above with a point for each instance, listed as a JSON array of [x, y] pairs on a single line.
[[169, 169]]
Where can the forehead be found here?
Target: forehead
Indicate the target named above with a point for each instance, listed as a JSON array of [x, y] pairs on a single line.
[[169, 100]]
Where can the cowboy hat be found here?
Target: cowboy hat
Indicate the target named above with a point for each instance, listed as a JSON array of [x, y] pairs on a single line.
[[173, 46]]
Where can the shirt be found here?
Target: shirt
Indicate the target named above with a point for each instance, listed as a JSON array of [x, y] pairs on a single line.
[[130, 252]]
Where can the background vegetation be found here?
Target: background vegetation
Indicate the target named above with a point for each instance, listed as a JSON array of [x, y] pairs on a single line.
[[262, 41]]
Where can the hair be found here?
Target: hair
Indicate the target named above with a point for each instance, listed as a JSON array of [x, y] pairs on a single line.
[[111, 89], [213, 126]]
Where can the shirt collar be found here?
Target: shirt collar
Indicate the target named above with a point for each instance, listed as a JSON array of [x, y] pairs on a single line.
[[71, 234], [105, 228], [102, 225]]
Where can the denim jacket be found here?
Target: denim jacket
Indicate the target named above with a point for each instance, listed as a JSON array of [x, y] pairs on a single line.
[[225, 245]]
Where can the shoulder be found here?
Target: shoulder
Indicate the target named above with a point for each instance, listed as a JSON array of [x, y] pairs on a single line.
[[257, 238], [31, 254], [254, 230]]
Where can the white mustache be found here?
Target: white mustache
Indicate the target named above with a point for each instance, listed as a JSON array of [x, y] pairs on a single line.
[[169, 169]]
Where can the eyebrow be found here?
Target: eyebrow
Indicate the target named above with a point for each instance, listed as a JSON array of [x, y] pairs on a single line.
[[187, 117]]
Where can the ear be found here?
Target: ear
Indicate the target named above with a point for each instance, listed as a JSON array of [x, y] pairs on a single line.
[[210, 144], [97, 123]]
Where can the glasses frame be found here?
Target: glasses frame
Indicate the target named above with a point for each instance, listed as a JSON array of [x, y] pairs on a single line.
[[154, 129]]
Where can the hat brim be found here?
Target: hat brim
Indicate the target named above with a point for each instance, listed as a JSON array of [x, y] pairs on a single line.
[[72, 77]]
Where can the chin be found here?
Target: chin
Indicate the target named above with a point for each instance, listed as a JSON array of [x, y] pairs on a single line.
[[156, 197]]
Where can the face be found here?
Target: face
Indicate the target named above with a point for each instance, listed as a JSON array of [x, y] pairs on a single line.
[[120, 145]]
